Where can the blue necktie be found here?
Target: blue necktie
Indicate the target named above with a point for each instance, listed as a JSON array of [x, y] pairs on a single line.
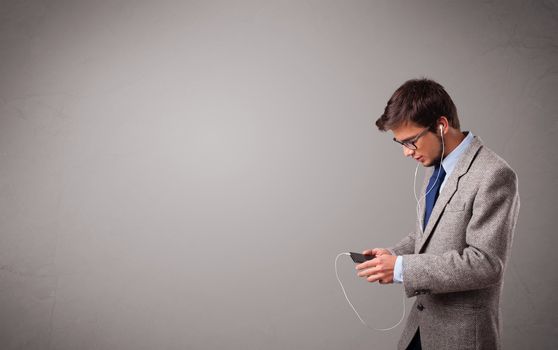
[[432, 191]]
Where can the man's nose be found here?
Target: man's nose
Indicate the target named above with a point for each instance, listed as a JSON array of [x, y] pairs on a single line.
[[408, 152]]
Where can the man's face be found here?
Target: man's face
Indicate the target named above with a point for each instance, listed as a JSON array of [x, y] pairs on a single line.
[[429, 147]]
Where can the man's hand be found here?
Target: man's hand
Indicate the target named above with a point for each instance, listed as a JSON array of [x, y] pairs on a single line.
[[378, 269], [376, 251]]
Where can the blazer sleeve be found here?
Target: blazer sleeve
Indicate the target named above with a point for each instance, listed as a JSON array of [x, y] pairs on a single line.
[[488, 238], [405, 246]]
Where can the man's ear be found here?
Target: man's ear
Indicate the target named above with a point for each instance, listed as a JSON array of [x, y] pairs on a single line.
[[443, 123]]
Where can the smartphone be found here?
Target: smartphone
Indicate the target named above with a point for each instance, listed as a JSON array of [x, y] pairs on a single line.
[[360, 258]]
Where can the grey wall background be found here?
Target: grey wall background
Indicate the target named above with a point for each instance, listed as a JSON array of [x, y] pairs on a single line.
[[181, 175]]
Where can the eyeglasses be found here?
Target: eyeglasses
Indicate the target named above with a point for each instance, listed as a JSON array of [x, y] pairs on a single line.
[[410, 144]]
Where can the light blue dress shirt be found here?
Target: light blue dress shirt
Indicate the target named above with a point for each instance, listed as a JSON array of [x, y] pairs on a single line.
[[449, 164]]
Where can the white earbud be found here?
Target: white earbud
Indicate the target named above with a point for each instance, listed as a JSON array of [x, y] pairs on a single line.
[[441, 130]]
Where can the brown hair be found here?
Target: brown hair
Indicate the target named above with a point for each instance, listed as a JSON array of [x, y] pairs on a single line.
[[421, 101]]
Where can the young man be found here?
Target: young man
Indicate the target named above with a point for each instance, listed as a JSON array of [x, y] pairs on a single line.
[[454, 260]]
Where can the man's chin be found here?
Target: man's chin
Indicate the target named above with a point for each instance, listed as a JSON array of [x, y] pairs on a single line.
[[428, 163], [431, 163]]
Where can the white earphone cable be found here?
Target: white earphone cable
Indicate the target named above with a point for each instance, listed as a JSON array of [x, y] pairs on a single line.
[[428, 190], [360, 318], [421, 228]]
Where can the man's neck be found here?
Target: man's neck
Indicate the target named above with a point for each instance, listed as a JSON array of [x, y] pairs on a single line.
[[452, 139]]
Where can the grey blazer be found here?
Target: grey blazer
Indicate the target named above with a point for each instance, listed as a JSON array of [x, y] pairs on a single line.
[[455, 267]]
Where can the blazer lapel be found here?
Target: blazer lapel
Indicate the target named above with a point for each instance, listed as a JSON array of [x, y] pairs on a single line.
[[449, 189]]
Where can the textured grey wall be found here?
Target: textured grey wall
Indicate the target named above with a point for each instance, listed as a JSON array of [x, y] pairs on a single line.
[[181, 175]]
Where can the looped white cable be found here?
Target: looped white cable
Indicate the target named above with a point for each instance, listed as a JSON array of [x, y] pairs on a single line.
[[422, 230], [360, 318]]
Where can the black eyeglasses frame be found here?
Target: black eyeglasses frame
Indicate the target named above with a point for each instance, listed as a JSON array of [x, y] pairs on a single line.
[[410, 144]]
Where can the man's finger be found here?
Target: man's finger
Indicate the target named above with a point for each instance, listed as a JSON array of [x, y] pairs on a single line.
[[367, 264], [368, 272], [363, 266], [373, 278], [381, 251]]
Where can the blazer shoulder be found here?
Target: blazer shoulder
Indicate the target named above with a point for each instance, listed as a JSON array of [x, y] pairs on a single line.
[[491, 165], [490, 161]]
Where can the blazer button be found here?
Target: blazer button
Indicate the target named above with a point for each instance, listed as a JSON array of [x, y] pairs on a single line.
[[420, 307]]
